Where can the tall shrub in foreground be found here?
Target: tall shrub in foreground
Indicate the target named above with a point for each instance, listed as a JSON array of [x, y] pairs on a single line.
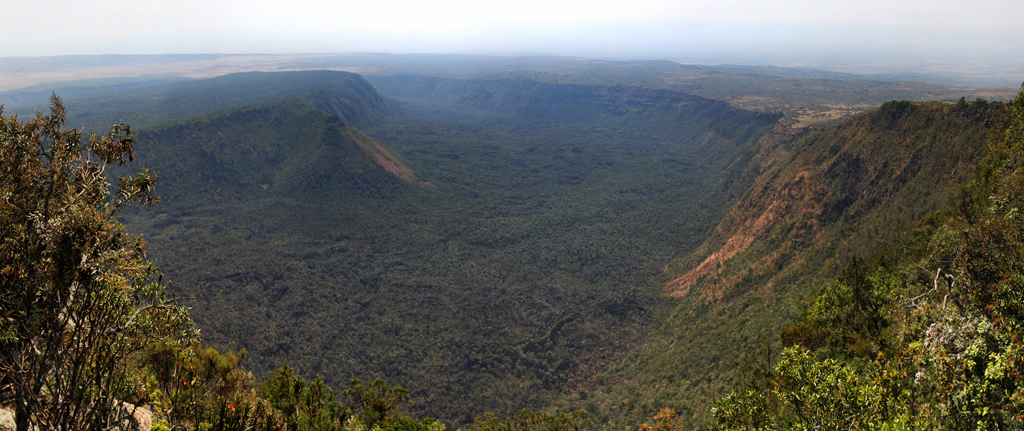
[[77, 296]]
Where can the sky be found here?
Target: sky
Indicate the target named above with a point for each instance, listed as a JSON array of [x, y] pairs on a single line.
[[779, 32]]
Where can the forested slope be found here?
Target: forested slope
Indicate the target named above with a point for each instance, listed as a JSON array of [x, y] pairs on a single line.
[[923, 334], [823, 195], [344, 95], [285, 150], [812, 200]]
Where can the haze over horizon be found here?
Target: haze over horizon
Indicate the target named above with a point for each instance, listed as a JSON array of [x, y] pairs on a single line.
[[874, 36]]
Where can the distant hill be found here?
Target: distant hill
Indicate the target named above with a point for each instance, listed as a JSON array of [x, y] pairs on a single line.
[[806, 95], [286, 149], [713, 126], [796, 92], [344, 95]]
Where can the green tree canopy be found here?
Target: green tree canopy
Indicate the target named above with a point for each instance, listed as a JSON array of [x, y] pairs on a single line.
[[932, 342], [77, 296]]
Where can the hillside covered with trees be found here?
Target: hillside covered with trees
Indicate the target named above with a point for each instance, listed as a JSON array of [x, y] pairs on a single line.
[[595, 254], [812, 200], [924, 333]]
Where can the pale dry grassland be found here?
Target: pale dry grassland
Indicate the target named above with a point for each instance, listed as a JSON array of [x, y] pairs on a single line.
[[14, 78]]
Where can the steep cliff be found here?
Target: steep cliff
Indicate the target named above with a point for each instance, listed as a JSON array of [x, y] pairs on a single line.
[[810, 200], [821, 196]]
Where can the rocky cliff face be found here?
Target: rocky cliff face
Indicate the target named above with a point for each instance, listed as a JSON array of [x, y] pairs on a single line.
[[822, 196]]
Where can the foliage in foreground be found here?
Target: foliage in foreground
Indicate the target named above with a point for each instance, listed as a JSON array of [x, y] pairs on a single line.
[[926, 335], [196, 388], [191, 387], [77, 296]]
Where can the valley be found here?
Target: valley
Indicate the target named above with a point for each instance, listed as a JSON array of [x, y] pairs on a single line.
[[608, 236], [298, 246]]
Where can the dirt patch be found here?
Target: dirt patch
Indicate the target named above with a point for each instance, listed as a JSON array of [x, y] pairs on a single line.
[[810, 116], [385, 158], [740, 241]]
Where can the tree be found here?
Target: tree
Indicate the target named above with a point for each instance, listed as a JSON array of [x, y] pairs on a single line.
[[377, 402], [953, 354], [77, 296], [528, 420]]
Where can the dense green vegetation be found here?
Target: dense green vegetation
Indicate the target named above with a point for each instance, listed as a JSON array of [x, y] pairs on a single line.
[[811, 200], [492, 244], [924, 334], [298, 246], [344, 95], [78, 299], [90, 338]]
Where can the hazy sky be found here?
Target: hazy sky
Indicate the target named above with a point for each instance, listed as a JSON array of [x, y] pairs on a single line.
[[739, 31]]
